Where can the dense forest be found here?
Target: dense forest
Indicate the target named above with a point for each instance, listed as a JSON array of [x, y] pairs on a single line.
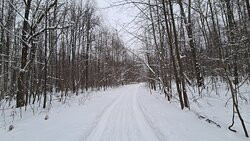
[[58, 46], [63, 47], [189, 41]]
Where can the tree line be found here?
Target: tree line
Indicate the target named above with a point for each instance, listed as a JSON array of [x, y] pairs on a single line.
[[186, 42], [62, 46], [51, 46]]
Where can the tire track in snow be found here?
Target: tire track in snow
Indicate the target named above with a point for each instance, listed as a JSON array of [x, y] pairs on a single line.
[[123, 120], [101, 118], [150, 120], [143, 119]]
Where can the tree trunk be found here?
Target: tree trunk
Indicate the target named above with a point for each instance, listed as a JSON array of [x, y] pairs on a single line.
[[170, 43], [184, 92], [21, 82]]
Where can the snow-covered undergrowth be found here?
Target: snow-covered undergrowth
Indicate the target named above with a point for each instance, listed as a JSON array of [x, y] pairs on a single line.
[[214, 104], [130, 113], [35, 113]]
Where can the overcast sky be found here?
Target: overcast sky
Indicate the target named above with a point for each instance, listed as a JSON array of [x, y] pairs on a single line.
[[119, 18]]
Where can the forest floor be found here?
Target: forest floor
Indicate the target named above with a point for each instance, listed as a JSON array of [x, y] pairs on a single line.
[[127, 113]]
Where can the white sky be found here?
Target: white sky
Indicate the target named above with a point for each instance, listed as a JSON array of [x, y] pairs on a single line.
[[120, 18]]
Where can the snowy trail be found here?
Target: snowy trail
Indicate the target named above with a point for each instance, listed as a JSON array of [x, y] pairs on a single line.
[[124, 120], [127, 113]]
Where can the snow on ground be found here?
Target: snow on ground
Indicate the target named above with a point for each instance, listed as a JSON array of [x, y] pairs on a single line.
[[127, 113], [218, 106]]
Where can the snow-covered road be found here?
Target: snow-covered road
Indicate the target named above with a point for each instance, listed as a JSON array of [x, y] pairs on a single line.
[[123, 120], [128, 113]]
